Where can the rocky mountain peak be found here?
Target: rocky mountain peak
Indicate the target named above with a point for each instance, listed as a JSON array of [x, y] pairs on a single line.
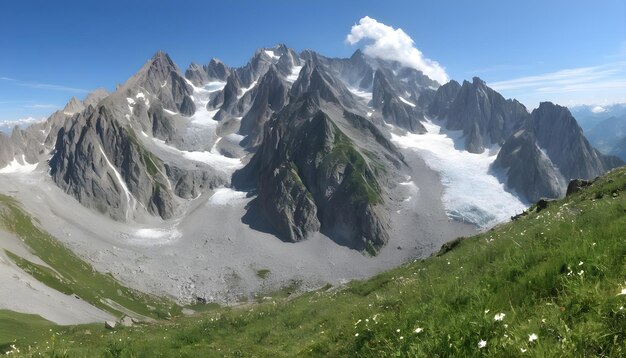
[[161, 78], [73, 106], [484, 116], [95, 96]]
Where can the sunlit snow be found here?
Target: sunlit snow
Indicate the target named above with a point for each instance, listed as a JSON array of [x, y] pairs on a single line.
[[471, 194], [245, 90], [154, 236], [406, 101], [295, 73], [15, 167], [272, 54], [201, 96], [226, 196], [367, 96]]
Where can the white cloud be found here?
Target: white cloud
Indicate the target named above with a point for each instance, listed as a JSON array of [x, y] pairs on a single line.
[[20, 122], [598, 109], [593, 84], [388, 43]]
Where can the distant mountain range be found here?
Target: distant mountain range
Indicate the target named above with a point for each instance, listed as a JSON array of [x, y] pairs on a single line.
[[311, 138]]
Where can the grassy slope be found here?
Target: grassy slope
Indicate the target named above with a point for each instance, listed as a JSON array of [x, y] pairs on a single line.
[[556, 274], [71, 275]]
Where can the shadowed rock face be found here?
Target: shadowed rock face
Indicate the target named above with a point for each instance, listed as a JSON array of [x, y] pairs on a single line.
[[484, 116], [548, 152], [559, 134], [529, 171], [271, 97], [442, 100], [311, 176], [387, 99], [102, 164]]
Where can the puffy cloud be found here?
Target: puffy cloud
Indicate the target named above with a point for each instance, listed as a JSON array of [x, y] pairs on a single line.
[[388, 43]]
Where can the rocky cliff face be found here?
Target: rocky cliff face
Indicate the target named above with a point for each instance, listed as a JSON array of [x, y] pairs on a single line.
[[484, 116], [271, 97], [559, 134], [442, 100], [527, 169], [101, 163], [311, 176], [162, 78], [548, 152], [200, 75]]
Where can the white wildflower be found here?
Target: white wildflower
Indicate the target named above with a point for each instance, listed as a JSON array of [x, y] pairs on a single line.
[[356, 334], [532, 337], [482, 344], [499, 317], [419, 330]]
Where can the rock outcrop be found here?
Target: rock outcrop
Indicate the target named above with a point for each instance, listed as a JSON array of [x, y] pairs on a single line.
[[484, 116], [550, 145]]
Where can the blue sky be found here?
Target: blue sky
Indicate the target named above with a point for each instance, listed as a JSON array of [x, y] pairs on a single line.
[[570, 52]]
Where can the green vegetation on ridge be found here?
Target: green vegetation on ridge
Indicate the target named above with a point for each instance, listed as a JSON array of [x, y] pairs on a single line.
[[70, 274], [552, 283]]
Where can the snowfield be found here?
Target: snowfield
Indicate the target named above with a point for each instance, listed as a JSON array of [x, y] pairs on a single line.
[[471, 194]]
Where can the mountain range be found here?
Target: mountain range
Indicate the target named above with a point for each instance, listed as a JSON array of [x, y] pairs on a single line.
[[344, 149], [312, 134]]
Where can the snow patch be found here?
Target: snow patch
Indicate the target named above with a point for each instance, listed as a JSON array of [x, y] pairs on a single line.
[[411, 188], [169, 112], [18, 167], [272, 54], [407, 102], [215, 160], [471, 193], [245, 90], [295, 73], [154, 236], [367, 96], [203, 116], [118, 176], [226, 196]]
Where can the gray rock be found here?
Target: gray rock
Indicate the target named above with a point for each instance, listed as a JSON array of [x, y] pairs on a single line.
[[110, 324], [442, 100], [577, 185], [94, 97], [73, 106], [271, 97], [126, 321], [563, 140], [162, 78], [387, 99], [484, 116], [101, 163], [529, 172]]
